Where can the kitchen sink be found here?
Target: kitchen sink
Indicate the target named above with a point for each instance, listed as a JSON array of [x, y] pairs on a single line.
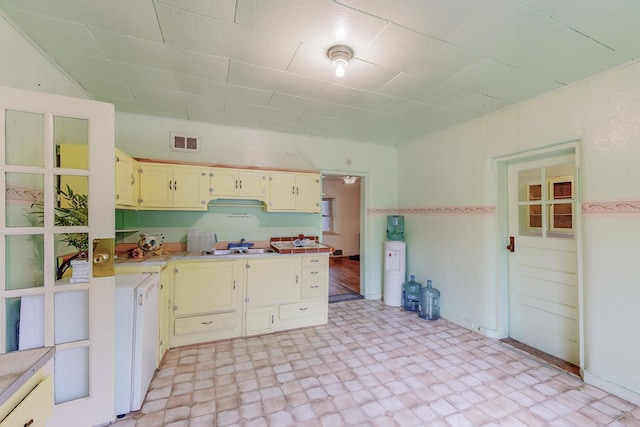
[[239, 251]]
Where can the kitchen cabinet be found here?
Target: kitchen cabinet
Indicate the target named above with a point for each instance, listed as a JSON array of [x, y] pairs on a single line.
[[206, 301], [294, 192], [312, 309], [72, 156], [26, 387], [237, 184], [173, 186], [126, 181]]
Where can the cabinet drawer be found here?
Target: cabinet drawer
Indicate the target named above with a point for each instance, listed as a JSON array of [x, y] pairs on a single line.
[[300, 309], [320, 261], [204, 323], [314, 289], [35, 409], [313, 274]]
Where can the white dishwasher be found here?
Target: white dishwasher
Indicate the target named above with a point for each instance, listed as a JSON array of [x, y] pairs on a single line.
[[137, 299]]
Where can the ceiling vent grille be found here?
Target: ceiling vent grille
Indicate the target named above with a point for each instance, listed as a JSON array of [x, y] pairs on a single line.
[[182, 142]]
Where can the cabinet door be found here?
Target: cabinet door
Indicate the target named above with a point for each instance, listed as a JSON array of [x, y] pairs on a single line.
[[282, 187], [164, 306], [126, 180], [224, 182], [73, 156], [205, 287], [271, 280], [156, 185], [308, 193], [260, 320], [190, 187], [252, 184]]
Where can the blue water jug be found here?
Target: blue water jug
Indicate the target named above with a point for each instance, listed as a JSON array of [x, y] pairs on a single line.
[[429, 302]]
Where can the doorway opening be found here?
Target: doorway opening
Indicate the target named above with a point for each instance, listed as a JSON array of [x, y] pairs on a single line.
[[341, 224]]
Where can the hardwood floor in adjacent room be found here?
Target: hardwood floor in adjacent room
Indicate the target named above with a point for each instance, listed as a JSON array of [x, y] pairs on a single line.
[[344, 279]]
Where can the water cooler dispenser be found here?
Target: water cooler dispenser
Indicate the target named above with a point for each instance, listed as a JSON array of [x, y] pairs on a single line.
[[395, 261]]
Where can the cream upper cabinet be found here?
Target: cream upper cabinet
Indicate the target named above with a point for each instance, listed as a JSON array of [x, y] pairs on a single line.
[[294, 192], [126, 181], [173, 186], [237, 183]]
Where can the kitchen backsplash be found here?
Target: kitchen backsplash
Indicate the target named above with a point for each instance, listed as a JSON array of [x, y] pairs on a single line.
[[231, 221]]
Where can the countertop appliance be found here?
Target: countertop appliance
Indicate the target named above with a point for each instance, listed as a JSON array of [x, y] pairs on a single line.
[[137, 299]]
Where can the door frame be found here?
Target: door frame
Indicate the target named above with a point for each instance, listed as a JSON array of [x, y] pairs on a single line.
[[500, 173], [363, 220]]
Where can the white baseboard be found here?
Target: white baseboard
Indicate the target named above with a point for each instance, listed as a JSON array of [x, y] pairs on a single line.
[[609, 387]]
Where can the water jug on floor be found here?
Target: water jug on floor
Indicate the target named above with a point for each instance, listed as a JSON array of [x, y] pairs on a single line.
[[411, 294], [429, 308]]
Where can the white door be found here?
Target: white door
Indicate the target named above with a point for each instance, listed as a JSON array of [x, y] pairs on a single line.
[[40, 304], [543, 281]]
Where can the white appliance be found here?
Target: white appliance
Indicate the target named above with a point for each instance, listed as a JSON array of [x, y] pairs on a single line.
[[137, 299], [395, 268]]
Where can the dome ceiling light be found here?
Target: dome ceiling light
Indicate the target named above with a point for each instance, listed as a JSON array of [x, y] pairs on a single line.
[[340, 56], [349, 179]]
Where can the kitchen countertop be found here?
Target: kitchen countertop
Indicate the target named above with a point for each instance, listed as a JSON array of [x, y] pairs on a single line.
[[18, 366], [184, 255]]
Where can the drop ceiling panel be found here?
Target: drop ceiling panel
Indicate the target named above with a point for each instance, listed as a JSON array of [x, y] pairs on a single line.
[[306, 105], [158, 55], [410, 86], [430, 17], [177, 99], [404, 50], [337, 94], [137, 107], [107, 88], [239, 109], [223, 118], [221, 38], [253, 76], [137, 18]]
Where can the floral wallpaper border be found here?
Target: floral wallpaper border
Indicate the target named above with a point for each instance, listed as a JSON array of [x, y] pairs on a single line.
[[23, 195], [601, 208]]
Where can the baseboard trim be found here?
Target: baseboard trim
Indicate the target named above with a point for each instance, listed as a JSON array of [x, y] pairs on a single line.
[[609, 387]]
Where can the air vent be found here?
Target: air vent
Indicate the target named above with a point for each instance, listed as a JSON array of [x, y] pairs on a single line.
[[181, 142]]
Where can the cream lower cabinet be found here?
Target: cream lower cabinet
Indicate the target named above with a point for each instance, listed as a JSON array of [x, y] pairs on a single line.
[[286, 293], [206, 301], [32, 404]]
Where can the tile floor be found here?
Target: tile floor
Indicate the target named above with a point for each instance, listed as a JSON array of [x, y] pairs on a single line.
[[372, 365]]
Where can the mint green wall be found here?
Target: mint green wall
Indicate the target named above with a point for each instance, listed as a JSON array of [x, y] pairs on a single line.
[[231, 220], [464, 254]]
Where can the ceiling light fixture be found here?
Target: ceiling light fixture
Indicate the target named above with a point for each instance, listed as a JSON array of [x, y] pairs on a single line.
[[349, 179], [340, 56]]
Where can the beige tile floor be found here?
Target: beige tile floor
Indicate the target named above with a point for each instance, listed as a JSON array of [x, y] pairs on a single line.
[[372, 365]]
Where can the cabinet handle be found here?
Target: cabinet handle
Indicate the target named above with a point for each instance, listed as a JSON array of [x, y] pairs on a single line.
[[207, 323], [303, 308], [133, 179], [175, 185], [241, 184], [236, 184], [293, 190], [314, 286], [272, 319], [170, 188], [27, 424], [296, 278], [314, 260], [314, 272], [297, 190], [234, 285]]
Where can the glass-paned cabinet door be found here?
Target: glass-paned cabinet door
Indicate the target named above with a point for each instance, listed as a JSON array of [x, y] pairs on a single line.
[[530, 201], [561, 193]]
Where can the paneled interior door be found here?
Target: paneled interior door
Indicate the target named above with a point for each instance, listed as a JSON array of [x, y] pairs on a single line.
[[543, 281], [58, 199]]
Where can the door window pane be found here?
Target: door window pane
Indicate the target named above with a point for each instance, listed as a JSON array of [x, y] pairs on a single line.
[[24, 322], [71, 374], [71, 137], [24, 133], [68, 249], [24, 261], [71, 316], [24, 197]]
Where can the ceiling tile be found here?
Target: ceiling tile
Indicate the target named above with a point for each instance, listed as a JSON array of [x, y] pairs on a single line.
[[306, 105], [220, 9], [410, 86], [68, 35], [502, 81], [158, 55], [430, 17], [403, 50], [221, 38], [202, 87], [260, 111], [84, 66], [337, 94], [107, 88], [319, 23], [137, 18], [145, 108], [223, 118], [253, 76], [178, 99], [530, 40]]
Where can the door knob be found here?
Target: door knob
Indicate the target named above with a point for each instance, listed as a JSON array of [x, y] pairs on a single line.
[[512, 244]]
